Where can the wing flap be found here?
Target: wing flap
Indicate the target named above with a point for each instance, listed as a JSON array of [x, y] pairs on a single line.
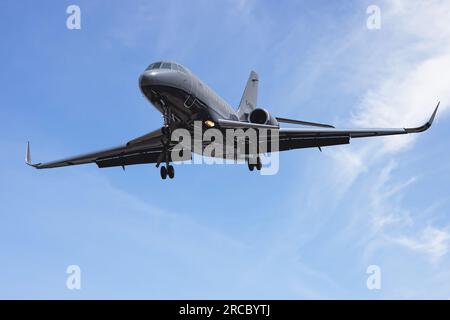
[[300, 143], [352, 133], [153, 156], [139, 158]]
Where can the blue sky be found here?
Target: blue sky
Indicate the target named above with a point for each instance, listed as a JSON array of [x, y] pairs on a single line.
[[218, 231]]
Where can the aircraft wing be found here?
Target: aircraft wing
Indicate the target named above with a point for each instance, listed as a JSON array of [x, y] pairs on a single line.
[[149, 149], [294, 138], [313, 134], [145, 149]]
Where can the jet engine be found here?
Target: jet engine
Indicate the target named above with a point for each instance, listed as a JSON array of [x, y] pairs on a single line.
[[262, 116]]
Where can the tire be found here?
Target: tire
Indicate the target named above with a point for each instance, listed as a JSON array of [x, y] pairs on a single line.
[[171, 172], [163, 172], [258, 164], [251, 166]]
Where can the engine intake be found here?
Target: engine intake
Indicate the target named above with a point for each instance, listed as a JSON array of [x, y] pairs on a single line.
[[261, 116]]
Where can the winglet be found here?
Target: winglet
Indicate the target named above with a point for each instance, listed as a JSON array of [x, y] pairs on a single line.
[[427, 125], [28, 157], [434, 114]]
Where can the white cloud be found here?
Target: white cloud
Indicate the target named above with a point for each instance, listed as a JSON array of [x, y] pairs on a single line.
[[405, 96], [402, 71], [406, 99], [411, 60], [432, 241], [398, 73], [414, 77], [390, 217], [385, 212]]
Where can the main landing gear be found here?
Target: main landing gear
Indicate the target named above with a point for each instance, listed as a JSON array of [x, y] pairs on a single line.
[[257, 165], [167, 170]]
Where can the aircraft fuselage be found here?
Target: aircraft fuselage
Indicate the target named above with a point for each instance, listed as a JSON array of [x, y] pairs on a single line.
[[189, 97]]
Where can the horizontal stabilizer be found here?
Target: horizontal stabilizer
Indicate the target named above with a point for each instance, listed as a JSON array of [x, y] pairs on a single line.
[[243, 125], [304, 123]]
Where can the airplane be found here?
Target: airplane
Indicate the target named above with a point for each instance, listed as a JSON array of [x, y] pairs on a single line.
[[184, 99]]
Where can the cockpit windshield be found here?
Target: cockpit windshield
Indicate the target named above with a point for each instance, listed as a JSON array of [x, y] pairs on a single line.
[[155, 65], [166, 65]]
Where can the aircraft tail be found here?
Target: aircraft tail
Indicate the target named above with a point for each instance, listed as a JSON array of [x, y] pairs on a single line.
[[248, 100]]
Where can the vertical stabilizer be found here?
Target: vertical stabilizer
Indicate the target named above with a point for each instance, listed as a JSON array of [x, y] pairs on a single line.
[[248, 100]]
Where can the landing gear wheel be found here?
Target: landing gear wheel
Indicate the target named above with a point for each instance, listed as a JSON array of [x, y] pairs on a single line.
[[251, 166], [163, 172], [171, 172], [258, 164]]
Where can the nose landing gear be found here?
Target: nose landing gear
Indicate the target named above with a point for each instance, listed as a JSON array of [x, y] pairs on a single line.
[[257, 165], [168, 169]]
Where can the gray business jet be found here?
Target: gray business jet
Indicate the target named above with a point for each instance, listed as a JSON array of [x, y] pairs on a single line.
[[184, 100]]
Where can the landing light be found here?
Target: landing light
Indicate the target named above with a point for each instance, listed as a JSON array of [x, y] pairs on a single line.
[[209, 123]]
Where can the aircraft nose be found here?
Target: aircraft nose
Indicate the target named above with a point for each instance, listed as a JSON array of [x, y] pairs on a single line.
[[148, 79], [158, 78]]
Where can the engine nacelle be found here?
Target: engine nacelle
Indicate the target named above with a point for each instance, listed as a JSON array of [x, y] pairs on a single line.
[[262, 116]]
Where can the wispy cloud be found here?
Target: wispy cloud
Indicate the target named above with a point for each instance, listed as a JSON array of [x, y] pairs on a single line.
[[400, 74], [406, 94], [411, 81], [432, 241]]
